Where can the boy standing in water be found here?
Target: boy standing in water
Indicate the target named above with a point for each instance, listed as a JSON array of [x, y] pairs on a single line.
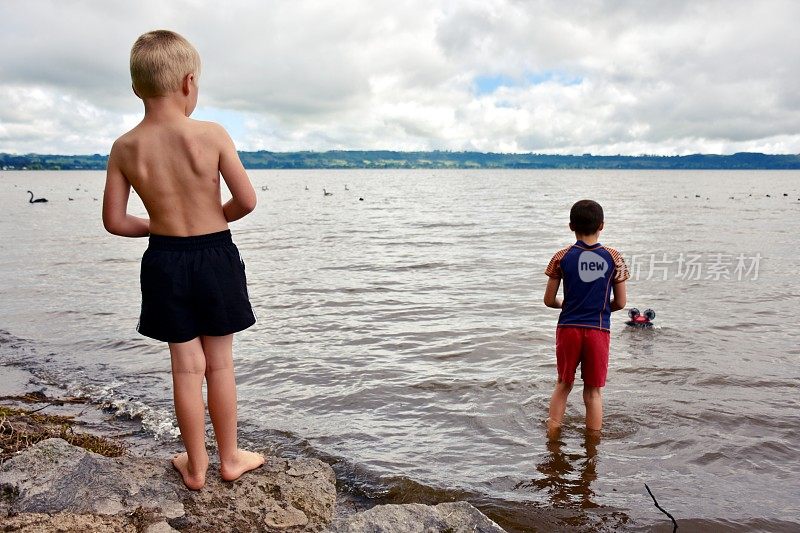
[[194, 291], [591, 272]]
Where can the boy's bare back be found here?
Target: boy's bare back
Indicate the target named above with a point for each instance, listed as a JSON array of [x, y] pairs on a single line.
[[174, 164]]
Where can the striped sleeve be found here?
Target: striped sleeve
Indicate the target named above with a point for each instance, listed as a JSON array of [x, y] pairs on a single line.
[[620, 268], [553, 269]]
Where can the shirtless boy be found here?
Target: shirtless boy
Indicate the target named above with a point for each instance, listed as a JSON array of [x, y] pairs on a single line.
[[194, 291]]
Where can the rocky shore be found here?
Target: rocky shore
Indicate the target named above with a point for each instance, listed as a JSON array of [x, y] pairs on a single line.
[[55, 477]]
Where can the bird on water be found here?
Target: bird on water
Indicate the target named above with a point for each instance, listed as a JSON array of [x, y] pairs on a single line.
[[37, 200], [326, 193]]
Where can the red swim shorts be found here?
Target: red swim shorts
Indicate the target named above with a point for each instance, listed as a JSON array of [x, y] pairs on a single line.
[[587, 347]]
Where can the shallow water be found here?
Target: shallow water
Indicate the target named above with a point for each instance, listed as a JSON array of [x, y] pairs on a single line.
[[403, 338]]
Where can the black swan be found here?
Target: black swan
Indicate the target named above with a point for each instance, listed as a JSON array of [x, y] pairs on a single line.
[[37, 200], [326, 193]]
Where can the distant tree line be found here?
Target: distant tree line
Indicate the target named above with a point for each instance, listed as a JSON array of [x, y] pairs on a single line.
[[344, 159]]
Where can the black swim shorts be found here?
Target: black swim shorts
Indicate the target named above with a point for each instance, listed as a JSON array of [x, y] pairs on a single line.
[[193, 286]]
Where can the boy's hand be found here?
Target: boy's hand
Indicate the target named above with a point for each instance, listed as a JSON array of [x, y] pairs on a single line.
[[550, 292]]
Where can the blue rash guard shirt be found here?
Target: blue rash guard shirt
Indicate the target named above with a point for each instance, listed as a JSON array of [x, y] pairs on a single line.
[[588, 273]]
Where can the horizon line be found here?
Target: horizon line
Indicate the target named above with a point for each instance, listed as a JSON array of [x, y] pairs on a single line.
[[355, 150]]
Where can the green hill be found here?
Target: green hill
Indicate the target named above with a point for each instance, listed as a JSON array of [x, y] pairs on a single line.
[[382, 159]]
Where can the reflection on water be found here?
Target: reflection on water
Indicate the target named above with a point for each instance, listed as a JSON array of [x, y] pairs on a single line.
[[566, 477]]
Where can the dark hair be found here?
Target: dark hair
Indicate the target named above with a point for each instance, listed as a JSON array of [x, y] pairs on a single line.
[[585, 217]]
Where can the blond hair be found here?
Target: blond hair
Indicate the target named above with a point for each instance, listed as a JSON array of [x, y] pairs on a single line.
[[160, 60]]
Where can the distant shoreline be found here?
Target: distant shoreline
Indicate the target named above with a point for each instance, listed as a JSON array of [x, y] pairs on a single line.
[[440, 160]]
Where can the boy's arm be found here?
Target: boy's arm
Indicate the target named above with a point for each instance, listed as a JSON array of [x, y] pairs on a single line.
[[243, 199], [553, 273], [550, 292], [116, 219], [619, 289], [620, 296]]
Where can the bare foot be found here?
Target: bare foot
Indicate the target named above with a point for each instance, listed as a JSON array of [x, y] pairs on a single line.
[[193, 480], [244, 461]]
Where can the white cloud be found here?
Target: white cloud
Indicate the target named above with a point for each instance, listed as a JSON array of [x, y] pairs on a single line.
[[566, 77]]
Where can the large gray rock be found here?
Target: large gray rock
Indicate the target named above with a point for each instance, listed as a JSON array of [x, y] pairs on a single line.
[[54, 486], [67, 522], [417, 518], [282, 495], [136, 522], [54, 476]]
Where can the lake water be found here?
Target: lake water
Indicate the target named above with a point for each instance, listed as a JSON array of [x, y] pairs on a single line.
[[402, 338]]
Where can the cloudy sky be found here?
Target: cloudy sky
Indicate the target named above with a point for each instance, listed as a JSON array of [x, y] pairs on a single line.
[[606, 77]]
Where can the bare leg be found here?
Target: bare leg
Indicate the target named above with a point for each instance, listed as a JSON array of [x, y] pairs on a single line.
[[221, 384], [593, 399], [558, 404], [188, 366]]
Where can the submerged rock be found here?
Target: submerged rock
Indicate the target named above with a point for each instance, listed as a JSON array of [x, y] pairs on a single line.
[[148, 495], [417, 518]]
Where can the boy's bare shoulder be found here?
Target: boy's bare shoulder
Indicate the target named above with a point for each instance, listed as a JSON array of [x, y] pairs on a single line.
[[209, 134], [205, 131], [124, 142], [210, 128]]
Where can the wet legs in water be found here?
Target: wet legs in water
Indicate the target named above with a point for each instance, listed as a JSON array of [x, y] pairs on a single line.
[[558, 404], [592, 399]]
